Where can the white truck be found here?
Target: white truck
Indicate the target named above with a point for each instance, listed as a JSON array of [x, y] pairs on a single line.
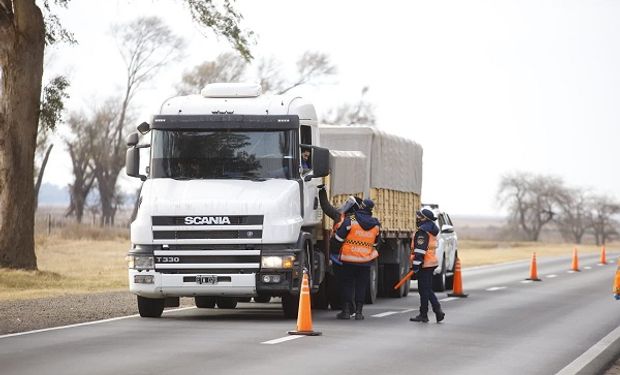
[[227, 213]]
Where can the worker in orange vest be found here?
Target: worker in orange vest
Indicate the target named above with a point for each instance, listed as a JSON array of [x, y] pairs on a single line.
[[357, 240], [424, 263]]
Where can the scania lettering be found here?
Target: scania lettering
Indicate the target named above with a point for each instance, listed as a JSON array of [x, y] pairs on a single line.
[[206, 220], [226, 212]]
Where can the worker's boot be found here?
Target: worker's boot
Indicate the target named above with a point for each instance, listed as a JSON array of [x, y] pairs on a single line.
[[439, 314], [358, 311], [422, 317], [345, 314]]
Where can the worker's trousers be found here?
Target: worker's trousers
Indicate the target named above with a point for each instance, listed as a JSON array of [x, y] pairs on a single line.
[[425, 288], [354, 282]]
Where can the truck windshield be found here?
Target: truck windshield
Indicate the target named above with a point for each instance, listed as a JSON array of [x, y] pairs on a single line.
[[222, 154]]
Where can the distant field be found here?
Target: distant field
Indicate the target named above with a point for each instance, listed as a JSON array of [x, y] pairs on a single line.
[[477, 253], [68, 266]]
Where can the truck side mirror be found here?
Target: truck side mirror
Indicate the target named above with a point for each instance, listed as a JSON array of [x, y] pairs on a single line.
[[320, 163], [144, 128], [132, 163], [132, 139]]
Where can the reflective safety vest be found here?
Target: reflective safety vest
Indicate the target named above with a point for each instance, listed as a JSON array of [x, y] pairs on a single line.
[[358, 246], [430, 260]]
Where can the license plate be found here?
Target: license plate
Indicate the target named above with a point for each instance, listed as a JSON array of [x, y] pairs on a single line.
[[206, 279]]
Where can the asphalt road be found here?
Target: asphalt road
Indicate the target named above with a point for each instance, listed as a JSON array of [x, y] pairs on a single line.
[[505, 326]]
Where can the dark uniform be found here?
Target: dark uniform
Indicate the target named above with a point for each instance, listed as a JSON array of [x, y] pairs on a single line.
[[424, 264], [358, 237]]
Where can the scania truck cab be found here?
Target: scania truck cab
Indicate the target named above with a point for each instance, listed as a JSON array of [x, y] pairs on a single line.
[[226, 212]]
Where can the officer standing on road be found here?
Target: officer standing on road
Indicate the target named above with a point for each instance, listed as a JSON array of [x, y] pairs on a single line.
[[424, 264], [357, 240]]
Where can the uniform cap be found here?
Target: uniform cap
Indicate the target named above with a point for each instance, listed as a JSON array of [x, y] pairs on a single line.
[[427, 213], [368, 204]]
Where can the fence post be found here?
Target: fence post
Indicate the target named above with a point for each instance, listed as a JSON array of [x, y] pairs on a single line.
[[49, 224]]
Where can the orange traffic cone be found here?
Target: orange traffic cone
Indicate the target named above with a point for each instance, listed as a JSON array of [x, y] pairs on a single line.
[[603, 256], [457, 287], [533, 269], [575, 264], [617, 282], [304, 314]]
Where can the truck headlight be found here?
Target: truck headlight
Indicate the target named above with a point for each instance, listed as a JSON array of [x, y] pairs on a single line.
[[277, 261], [140, 262]]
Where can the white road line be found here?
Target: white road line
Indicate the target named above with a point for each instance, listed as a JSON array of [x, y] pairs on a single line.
[[496, 288], [407, 311], [448, 299], [578, 364], [282, 339], [526, 281], [551, 276], [587, 267], [387, 313], [85, 323]]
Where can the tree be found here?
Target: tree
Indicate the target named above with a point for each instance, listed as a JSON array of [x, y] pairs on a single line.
[[603, 209], [80, 147], [574, 217], [23, 36], [311, 67], [52, 106], [227, 67], [361, 112], [532, 200], [146, 45]]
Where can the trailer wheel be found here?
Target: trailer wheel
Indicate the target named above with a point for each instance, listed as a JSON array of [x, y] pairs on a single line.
[[290, 306], [373, 283], [333, 291], [150, 307], [226, 302], [204, 302], [320, 299]]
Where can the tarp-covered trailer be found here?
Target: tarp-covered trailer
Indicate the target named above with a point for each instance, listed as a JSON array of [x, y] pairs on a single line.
[[367, 162]]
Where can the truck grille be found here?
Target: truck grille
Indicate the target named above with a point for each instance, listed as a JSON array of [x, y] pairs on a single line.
[[207, 244]]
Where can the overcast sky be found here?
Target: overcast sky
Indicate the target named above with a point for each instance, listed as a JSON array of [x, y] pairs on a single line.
[[486, 87]]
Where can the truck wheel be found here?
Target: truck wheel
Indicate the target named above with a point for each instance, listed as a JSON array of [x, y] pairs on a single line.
[[150, 307], [226, 302], [373, 283], [290, 306], [205, 302], [262, 299], [439, 280]]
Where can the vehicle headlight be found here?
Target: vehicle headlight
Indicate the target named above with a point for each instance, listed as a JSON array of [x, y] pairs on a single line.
[[140, 262], [277, 261]]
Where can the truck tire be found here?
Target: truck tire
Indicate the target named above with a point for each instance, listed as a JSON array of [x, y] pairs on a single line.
[[395, 272], [204, 302], [262, 299], [373, 284], [290, 306], [439, 280], [150, 307], [226, 302]]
